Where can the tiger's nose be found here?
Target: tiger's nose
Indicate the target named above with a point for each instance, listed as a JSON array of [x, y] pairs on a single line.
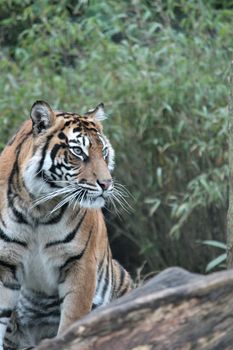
[[105, 184]]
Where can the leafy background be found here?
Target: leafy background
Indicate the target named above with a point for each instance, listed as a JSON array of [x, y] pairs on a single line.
[[161, 69]]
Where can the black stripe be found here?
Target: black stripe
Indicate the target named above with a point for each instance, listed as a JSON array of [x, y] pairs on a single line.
[[50, 302], [70, 236], [123, 291], [106, 277], [48, 181], [56, 218], [74, 141], [2, 221], [122, 277], [8, 343], [21, 218], [5, 313], [102, 263], [77, 129], [53, 169], [112, 280], [72, 259], [102, 270], [79, 256], [55, 150], [64, 165], [41, 313], [13, 189], [65, 114], [39, 295], [55, 303], [67, 124], [12, 286], [62, 136], [60, 114], [43, 154], [8, 266], [100, 279], [94, 306], [91, 129], [5, 238]]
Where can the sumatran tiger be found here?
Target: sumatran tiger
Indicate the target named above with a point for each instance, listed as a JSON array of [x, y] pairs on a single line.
[[55, 261]]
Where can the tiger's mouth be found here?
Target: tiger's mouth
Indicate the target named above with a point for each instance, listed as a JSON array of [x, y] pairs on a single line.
[[81, 195], [95, 200]]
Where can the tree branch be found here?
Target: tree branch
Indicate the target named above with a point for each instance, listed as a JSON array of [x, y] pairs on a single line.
[[176, 310]]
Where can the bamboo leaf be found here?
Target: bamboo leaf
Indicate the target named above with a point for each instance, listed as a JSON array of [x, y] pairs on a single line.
[[216, 262], [216, 244]]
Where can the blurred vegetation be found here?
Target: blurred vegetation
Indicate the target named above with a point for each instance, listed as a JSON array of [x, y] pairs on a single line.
[[161, 69]]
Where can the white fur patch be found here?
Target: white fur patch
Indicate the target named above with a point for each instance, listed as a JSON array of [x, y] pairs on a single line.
[[100, 113], [36, 185], [43, 111]]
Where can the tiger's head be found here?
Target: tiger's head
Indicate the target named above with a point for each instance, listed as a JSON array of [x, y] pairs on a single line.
[[72, 158]]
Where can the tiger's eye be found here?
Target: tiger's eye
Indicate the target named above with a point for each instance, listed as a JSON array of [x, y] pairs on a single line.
[[78, 151]]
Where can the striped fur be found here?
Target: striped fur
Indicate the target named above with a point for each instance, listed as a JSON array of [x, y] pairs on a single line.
[[55, 260]]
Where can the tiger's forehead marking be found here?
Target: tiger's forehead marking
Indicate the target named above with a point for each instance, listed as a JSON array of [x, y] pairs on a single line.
[[77, 139], [78, 123], [81, 132], [84, 143]]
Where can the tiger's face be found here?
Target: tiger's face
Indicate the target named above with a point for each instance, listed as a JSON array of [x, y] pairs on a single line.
[[72, 158]]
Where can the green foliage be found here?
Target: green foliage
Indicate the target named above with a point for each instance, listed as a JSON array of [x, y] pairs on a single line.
[[220, 260], [161, 68]]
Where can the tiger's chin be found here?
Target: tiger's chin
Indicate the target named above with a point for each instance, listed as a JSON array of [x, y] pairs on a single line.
[[98, 202]]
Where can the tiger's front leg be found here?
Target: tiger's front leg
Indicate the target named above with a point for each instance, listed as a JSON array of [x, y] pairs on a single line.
[[8, 299], [77, 291]]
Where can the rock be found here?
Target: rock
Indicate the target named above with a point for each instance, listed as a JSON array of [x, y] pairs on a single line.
[[175, 310]]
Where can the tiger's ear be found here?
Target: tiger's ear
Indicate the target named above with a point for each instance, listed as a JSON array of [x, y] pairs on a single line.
[[97, 113], [42, 116]]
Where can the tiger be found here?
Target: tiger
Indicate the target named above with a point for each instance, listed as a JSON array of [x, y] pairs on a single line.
[[56, 263]]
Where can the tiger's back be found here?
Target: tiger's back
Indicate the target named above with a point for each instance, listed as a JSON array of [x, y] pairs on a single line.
[[55, 260]]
